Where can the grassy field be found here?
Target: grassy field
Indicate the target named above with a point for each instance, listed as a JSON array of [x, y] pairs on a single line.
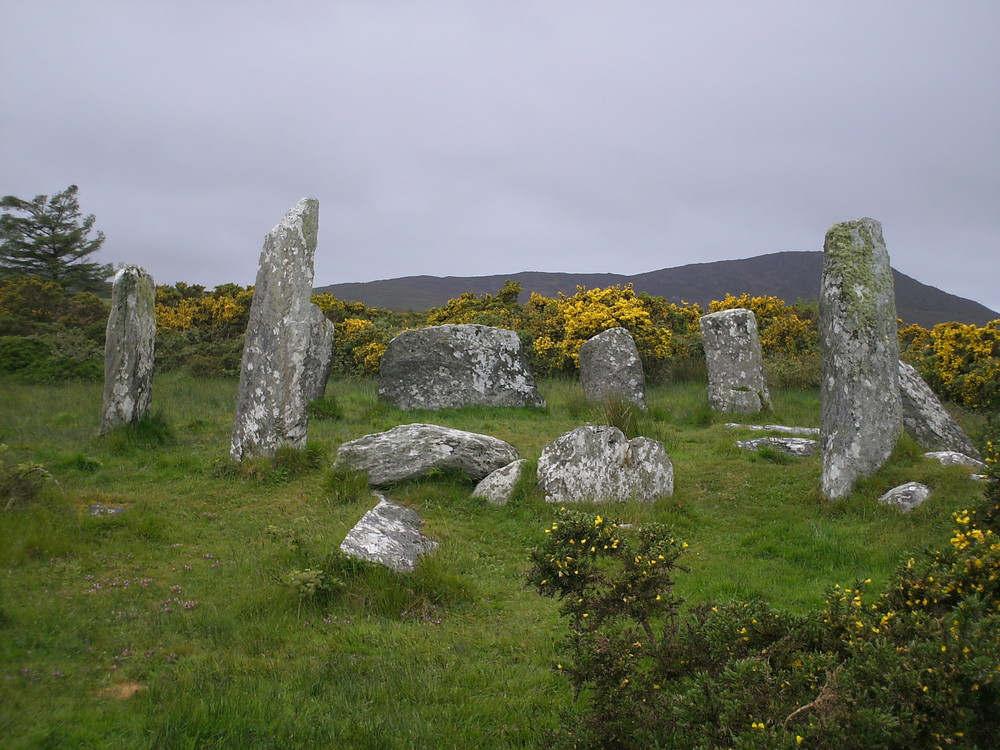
[[174, 623]]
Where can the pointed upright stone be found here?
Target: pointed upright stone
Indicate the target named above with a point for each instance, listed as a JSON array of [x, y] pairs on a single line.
[[861, 409], [319, 359], [271, 405], [128, 348], [735, 363]]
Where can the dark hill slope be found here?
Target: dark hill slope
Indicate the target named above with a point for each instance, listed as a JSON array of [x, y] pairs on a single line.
[[791, 276]]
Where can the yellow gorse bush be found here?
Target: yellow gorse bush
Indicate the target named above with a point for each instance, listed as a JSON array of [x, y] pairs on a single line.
[[782, 330]]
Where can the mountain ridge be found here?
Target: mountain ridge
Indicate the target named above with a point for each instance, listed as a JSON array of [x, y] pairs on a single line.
[[791, 276]]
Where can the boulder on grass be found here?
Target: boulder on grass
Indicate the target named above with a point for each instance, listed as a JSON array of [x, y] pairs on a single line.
[[790, 446], [451, 366], [597, 463], [410, 451], [388, 534], [907, 496], [498, 486]]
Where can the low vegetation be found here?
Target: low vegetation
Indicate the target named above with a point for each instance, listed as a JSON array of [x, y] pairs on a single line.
[[215, 610]]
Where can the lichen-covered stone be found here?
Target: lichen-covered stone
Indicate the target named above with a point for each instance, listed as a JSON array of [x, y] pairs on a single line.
[[498, 486], [790, 446], [451, 366], [775, 428], [861, 409], [319, 356], [271, 404], [389, 534], [736, 383], [129, 348], [410, 451], [956, 458], [597, 463], [907, 496], [926, 420], [610, 368]]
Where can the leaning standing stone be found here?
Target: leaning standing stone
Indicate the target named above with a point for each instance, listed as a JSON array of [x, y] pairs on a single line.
[[861, 410], [319, 358], [389, 534], [736, 381], [926, 420], [450, 366], [271, 406], [128, 348], [610, 368]]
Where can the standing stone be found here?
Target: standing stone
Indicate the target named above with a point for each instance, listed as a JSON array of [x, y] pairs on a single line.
[[128, 348], [597, 463], [610, 368], [271, 405], [736, 381], [319, 357], [451, 366], [926, 420], [861, 409]]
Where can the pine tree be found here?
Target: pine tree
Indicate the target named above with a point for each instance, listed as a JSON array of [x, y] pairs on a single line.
[[48, 238]]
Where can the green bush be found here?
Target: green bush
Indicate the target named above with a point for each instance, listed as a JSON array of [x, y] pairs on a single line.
[[915, 667]]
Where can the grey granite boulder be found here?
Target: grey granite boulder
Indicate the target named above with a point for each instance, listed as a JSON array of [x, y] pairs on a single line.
[[388, 534], [497, 487], [319, 355], [736, 381], [451, 366], [271, 404], [610, 368], [597, 463], [926, 419], [775, 428], [791, 446], [861, 410], [129, 348], [410, 451], [954, 458], [907, 496]]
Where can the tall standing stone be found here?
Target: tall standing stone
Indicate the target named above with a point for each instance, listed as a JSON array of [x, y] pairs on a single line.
[[128, 348], [861, 409], [271, 405], [736, 382], [319, 359], [610, 368]]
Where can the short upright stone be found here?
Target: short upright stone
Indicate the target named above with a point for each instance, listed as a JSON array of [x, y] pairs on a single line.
[[451, 366], [128, 348], [271, 404], [319, 359], [736, 383], [610, 368], [861, 410]]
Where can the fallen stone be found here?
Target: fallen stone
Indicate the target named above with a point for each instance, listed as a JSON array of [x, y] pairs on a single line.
[[451, 366], [610, 368], [861, 409], [129, 348], [597, 463], [736, 381], [775, 428], [271, 404], [410, 451], [98, 510], [907, 496], [789, 446], [498, 486], [954, 458], [926, 419], [388, 534]]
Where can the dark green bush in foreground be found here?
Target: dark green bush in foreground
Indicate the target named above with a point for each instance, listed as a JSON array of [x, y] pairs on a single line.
[[917, 666]]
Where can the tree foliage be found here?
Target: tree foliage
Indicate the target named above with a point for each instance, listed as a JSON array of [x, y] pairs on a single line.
[[48, 237]]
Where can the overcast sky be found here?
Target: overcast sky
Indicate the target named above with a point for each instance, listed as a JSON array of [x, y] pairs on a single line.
[[474, 138]]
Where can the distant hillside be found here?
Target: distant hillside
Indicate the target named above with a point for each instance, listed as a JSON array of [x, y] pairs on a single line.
[[791, 276]]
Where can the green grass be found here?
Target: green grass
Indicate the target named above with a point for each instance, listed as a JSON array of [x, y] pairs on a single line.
[[186, 594]]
